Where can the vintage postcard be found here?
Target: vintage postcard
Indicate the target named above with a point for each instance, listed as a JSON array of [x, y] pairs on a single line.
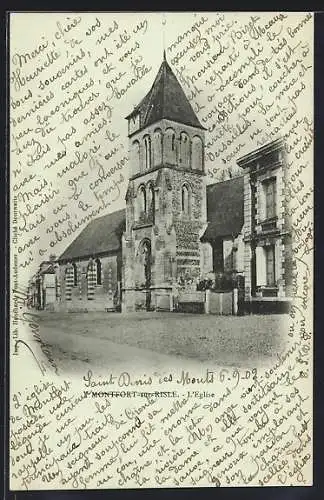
[[161, 249]]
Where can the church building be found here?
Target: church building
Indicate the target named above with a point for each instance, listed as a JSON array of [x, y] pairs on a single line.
[[166, 212], [175, 229]]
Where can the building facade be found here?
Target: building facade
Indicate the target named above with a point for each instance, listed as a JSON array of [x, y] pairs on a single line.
[[175, 229], [267, 226]]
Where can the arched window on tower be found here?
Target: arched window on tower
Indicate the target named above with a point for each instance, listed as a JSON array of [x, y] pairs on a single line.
[[169, 148], [148, 152], [173, 142], [185, 200], [150, 203], [141, 203], [157, 147], [184, 156], [135, 157], [197, 153], [98, 271]]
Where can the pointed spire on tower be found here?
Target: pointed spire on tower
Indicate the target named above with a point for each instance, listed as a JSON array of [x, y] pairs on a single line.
[[166, 98]]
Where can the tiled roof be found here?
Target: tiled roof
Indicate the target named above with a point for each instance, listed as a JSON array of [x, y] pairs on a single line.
[[101, 235], [225, 209], [166, 99]]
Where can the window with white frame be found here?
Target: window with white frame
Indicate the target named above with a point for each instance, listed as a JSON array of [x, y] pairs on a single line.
[[270, 198]]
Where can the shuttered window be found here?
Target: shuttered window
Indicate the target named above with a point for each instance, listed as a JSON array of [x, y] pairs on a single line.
[[270, 265]]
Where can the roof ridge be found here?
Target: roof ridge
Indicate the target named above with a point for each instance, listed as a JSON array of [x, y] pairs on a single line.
[[227, 180], [150, 95], [106, 215]]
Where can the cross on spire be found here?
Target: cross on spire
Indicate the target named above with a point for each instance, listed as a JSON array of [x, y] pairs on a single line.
[[163, 35]]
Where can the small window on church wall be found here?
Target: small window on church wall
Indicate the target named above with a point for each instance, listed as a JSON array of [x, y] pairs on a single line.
[[75, 274], [169, 149], [71, 276], [150, 202], [185, 200], [148, 152], [141, 197], [136, 157], [184, 150], [197, 153], [99, 272], [157, 147], [91, 279]]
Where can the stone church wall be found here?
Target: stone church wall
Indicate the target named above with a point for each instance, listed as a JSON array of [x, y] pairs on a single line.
[[189, 226], [100, 296]]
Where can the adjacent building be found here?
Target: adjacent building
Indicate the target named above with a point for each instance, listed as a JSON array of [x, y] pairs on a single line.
[[44, 287], [225, 209], [267, 227]]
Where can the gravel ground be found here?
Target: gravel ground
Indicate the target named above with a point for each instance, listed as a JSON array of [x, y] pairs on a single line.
[[91, 339]]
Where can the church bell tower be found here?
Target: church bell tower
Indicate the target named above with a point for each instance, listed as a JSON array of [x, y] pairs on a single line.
[[166, 195]]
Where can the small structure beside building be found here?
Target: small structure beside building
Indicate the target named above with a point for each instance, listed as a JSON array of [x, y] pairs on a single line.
[[44, 287], [225, 208]]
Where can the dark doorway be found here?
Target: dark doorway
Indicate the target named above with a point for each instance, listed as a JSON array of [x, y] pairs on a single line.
[[218, 256]]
